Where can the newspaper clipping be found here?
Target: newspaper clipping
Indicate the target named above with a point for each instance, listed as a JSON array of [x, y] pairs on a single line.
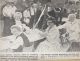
[[39, 30]]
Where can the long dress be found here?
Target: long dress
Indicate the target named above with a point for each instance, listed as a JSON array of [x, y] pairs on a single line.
[[51, 44]]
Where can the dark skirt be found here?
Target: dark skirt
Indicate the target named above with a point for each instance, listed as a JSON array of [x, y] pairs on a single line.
[[7, 25], [75, 47]]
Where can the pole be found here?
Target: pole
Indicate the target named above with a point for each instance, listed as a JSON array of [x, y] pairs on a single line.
[[39, 17]]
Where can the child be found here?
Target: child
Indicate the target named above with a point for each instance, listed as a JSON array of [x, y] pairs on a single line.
[[27, 16], [18, 17]]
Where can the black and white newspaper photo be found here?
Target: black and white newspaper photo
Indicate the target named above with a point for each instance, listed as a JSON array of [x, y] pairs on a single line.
[[39, 26]]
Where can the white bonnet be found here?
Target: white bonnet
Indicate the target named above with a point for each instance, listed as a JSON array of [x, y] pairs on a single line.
[[18, 14]]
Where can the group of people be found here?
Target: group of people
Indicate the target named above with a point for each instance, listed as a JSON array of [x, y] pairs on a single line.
[[41, 27]]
